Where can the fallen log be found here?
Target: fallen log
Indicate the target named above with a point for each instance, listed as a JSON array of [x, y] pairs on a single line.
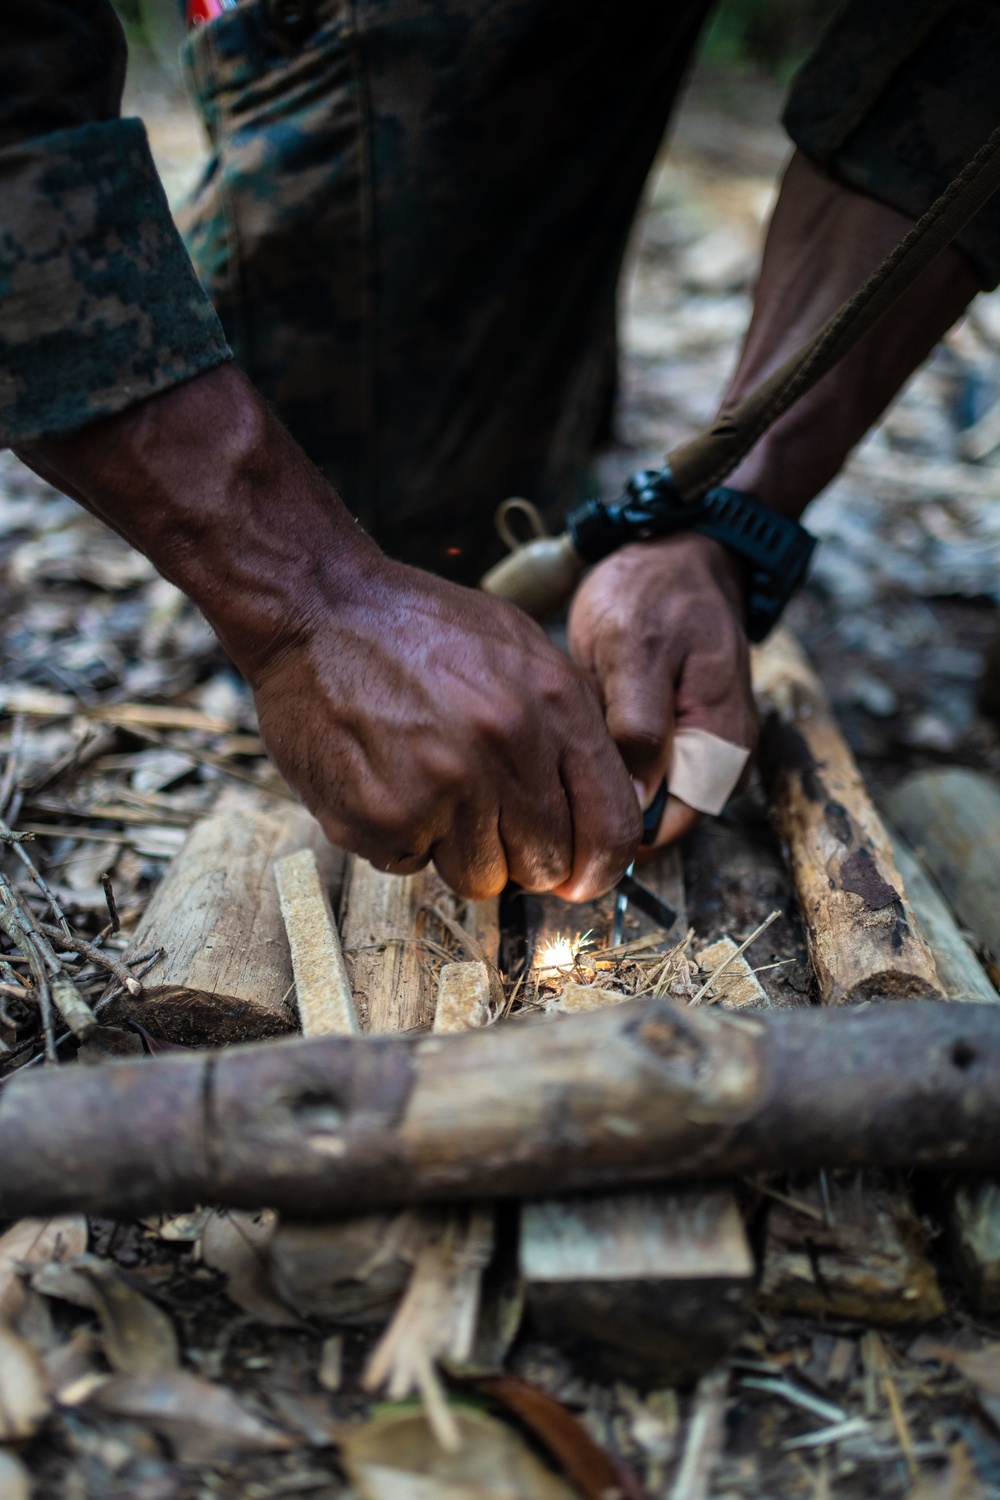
[[645, 1091], [864, 942]]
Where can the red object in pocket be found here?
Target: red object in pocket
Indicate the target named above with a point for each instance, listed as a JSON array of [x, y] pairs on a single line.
[[200, 11]]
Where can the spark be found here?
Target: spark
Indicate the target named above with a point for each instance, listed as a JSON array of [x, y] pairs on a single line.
[[560, 953]]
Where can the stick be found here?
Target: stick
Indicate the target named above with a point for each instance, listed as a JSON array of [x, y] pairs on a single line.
[[322, 989], [863, 938], [639, 1092]]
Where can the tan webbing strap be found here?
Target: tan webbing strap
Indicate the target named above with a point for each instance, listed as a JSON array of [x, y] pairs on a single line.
[[704, 461]]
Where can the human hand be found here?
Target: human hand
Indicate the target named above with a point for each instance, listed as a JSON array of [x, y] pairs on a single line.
[[658, 628], [417, 720]]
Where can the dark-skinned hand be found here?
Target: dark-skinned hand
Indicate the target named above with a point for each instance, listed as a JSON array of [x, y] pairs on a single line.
[[658, 628], [418, 720]]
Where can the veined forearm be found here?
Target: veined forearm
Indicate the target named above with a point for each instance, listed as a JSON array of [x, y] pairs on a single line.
[[823, 242]]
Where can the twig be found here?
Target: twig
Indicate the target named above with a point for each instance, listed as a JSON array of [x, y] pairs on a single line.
[[109, 896], [99, 956], [799, 1207], [148, 961], [709, 982], [13, 756], [704, 1438]]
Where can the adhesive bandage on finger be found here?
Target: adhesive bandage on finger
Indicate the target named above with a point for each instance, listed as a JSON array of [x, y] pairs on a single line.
[[704, 769]]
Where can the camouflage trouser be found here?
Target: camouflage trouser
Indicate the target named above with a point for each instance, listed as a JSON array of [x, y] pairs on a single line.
[[412, 228], [414, 219]]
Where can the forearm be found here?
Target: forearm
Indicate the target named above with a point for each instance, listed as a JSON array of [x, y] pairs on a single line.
[[824, 240], [208, 484]]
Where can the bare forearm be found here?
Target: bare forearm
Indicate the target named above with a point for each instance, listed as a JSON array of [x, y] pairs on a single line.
[[823, 242], [206, 483]]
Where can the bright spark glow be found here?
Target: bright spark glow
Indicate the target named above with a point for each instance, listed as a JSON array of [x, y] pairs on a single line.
[[557, 954]]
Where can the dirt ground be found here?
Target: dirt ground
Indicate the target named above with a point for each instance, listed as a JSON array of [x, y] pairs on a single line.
[[898, 613]]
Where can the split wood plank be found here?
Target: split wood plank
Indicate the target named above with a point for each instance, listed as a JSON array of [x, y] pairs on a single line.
[[323, 995], [382, 926], [463, 997], [654, 1283], [225, 975], [864, 941], [865, 1240]]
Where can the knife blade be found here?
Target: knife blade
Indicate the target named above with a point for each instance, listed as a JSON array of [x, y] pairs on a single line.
[[628, 886]]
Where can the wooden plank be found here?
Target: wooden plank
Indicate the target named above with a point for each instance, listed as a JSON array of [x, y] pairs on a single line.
[[865, 1257], [323, 996], [226, 974], [852, 1249], [382, 924], [463, 997], [656, 1281], [864, 941], [654, 1284]]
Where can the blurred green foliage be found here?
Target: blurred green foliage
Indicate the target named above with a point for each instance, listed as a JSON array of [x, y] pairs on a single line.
[[772, 36]]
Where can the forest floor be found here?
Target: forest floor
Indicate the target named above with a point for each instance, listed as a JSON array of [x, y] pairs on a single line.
[[121, 721]]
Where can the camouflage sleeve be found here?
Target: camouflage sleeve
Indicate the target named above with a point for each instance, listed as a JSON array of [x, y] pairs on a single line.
[[898, 97], [99, 304]]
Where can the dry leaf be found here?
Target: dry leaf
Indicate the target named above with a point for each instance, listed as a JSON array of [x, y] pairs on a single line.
[[237, 1244], [595, 1473], [178, 1228], [24, 1401], [958, 1481], [139, 1338], [203, 1422], [981, 1367], [397, 1457], [71, 1361], [15, 1481], [65, 1284], [35, 1242]]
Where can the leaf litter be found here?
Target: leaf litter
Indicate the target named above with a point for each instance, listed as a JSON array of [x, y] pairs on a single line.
[[122, 721]]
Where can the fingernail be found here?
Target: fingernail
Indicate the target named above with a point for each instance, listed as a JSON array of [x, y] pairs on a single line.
[[641, 793]]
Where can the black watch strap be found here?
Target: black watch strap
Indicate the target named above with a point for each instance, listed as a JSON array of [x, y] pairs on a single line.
[[776, 551]]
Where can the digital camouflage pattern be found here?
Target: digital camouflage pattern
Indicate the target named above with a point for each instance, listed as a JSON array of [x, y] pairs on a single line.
[[413, 221], [899, 96], [99, 305]]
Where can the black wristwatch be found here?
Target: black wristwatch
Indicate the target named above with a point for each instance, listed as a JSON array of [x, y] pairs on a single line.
[[775, 549]]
